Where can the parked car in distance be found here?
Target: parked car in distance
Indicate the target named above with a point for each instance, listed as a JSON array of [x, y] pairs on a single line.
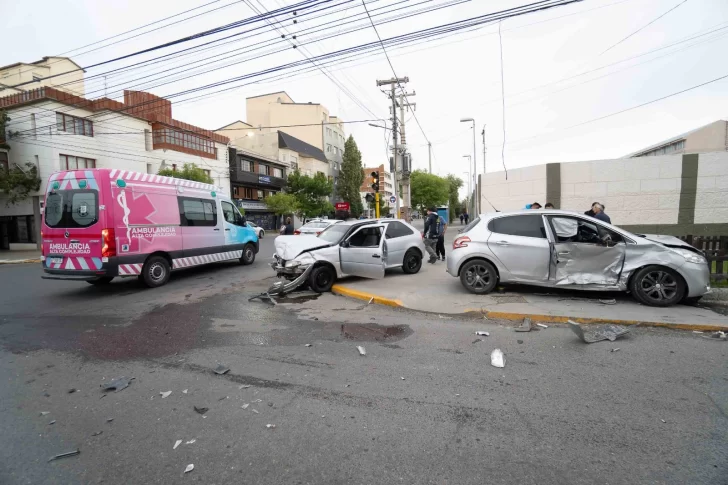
[[315, 227], [259, 231], [357, 248], [562, 249], [102, 223]]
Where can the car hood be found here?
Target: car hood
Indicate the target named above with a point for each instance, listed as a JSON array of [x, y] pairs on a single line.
[[288, 247], [669, 241]]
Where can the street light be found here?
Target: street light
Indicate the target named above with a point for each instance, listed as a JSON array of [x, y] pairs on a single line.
[[474, 212], [470, 182]]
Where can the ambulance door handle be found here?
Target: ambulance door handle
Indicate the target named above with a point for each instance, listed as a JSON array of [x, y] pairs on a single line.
[[227, 229], [216, 229]]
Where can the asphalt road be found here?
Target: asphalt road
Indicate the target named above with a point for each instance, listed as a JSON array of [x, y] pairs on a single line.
[[423, 406]]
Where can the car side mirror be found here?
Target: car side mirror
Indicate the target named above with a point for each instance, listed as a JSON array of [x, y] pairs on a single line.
[[344, 244]]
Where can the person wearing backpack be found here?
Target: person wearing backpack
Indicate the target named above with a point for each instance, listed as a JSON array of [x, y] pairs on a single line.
[[432, 233], [440, 247]]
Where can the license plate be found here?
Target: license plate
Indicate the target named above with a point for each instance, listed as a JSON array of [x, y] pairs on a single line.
[[56, 260]]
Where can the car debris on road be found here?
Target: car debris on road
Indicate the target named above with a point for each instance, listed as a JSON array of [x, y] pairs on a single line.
[[608, 331], [497, 358], [525, 326], [118, 384], [65, 455], [362, 350], [189, 468], [221, 369], [481, 333]]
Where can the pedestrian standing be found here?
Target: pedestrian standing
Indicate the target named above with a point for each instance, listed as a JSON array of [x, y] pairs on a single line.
[[289, 227], [600, 214], [440, 248], [466, 216], [431, 233], [591, 211], [462, 218]]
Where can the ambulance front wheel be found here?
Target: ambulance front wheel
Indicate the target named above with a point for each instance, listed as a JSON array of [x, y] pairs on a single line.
[[156, 271]]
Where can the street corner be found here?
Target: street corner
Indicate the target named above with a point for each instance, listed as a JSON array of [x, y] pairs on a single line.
[[367, 296]]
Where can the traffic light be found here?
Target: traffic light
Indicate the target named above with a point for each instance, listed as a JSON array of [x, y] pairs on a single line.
[[375, 181]]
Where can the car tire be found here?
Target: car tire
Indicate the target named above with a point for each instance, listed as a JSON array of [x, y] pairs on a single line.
[[248, 256], [156, 271], [261, 235], [657, 286], [691, 300], [321, 279], [412, 262], [478, 276], [102, 281]]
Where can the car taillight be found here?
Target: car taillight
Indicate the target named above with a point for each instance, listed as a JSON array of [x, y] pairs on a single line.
[[461, 242], [109, 240], [296, 232], [318, 233]]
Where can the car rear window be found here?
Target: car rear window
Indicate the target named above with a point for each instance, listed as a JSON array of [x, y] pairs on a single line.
[[72, 208], [520, 225]]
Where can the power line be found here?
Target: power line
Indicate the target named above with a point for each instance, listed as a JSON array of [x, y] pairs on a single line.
[[643, 27]]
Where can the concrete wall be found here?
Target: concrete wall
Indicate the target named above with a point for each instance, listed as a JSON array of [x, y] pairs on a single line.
[[672, 194], [711, 138]]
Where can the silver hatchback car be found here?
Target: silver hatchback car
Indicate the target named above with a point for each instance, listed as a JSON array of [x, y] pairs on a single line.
[[563, 249], [357, 248]]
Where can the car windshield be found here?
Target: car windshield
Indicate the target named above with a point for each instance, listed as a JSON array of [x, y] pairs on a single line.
[[334, 233]]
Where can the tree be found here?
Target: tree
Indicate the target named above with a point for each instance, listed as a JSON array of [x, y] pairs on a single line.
[[454, 200], [351, 177], [311, 194], [281, 203], [189, 171], [428, 190], [17, 182]]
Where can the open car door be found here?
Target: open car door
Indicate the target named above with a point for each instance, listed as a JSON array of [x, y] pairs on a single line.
[[364, 252]]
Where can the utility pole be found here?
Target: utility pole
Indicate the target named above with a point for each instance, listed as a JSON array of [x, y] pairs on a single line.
[[404, 103], [394, 82], [429, 154], [482, 190]]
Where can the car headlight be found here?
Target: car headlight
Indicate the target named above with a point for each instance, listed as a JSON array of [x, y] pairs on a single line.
[[690, 256]]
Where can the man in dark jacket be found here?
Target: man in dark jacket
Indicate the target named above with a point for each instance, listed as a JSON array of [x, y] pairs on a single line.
[[600, 214], [432, 233]]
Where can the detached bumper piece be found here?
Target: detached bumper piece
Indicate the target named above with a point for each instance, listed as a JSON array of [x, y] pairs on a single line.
[[280, 288]]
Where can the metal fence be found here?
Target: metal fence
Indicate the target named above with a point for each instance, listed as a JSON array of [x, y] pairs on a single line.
[[716, 252]]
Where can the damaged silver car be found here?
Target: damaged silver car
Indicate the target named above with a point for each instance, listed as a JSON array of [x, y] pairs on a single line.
[[356, 248], [568, 250]]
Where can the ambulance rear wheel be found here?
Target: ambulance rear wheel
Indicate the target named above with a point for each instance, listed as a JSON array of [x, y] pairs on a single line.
[[156, 271]]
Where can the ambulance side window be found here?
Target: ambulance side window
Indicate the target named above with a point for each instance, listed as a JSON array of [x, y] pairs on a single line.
[[197, 212]]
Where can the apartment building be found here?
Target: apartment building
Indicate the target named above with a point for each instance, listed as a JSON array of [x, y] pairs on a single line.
[[310, 123], [712, 137], [386, 186], [56, 130], [57, 72]]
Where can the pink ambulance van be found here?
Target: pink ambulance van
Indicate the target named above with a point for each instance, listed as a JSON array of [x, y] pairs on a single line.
[[102, 223]]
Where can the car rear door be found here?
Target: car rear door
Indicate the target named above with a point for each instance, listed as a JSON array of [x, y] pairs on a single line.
[[398, 242], [364, 252], [585, 252], [519, 242]]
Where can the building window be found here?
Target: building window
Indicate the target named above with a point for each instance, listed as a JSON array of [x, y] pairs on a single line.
[[4, 165], [69, 162], [294, 163], [260, 194], [74, 125], [149, 168], [148, 140], [248, 193], [328, 148], [245, 165], [263, 169], [665, 150], [278, 172], [189, 141]]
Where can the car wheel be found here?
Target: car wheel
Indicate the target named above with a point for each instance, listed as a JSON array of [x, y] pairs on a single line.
[[478, 276], [412, 262], [261, 234], [321, 279], [156, 271], [657, 286], [104, 280], [692, 300], [248, 255]]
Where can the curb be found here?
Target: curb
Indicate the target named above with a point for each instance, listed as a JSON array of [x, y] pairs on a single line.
[[19, 261], [362, 295]]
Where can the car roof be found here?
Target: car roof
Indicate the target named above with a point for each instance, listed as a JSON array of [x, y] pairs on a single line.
[[491, 215]]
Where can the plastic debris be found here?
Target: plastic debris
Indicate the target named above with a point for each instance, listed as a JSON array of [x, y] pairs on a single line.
[[445, 318], [716, 336], [257, 400], [43, 413], [165, 394], [223, 398], [65, 455], [52, 422], [542, 325], [109, 420], [255, 411], [604, 332], [244, 386], [189, 468], [402, 378], [482, 334], [97, 433], [245, 406], [185, 391], [615, 350], [370, 300], [308, 345], [270, 425], [201, 410], [72, 390], [118, 384], [608, 301], [362, 350], [525, 326], [221, 369], [697, 331], [497, 358], [190, 442], [176, 444], [663, 421]]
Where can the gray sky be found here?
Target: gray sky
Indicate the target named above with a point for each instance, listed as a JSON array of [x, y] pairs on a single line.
[[458, 76]]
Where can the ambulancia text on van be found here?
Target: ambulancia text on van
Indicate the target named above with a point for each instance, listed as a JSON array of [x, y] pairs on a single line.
[[102, 223]]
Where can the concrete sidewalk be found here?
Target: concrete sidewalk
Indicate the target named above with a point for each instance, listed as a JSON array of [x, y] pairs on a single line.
[[433, 290], [16, 257]]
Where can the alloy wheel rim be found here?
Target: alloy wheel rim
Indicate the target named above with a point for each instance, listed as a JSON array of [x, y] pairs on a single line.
[[477, 277], [658, 286], [248, 254], [156, 272]]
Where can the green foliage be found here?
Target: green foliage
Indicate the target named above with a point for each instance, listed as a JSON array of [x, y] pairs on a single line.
[[189, 171], [17, 183], [351, 177], [3, 127], [428, 190], [311, 194], [281, 203], [453, 201]]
